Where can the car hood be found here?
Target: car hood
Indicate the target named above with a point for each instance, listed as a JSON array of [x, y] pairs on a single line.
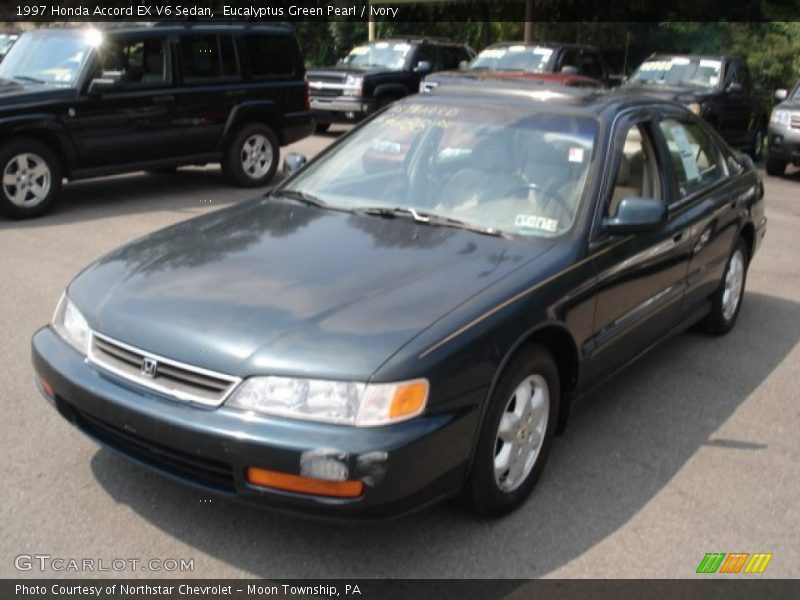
[[677, 93], [793, 104], [276, 287], [13, 92], [341, 72]]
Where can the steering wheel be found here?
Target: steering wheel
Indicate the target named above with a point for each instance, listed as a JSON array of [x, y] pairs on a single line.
[[548, 193]]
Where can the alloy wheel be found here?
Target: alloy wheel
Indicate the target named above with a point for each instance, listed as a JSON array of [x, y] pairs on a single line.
[[26, 180], [256, 156]]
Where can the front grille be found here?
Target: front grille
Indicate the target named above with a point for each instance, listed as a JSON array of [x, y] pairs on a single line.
[[178, 380], [328, 92], [190, 467], [327, 77], [795, 120]]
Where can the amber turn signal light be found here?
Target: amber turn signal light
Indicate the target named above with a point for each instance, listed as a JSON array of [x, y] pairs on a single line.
[[304, 485], [409, 399]]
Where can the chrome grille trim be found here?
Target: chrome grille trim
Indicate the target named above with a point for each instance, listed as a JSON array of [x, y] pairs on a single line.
[[795, 120], [173, 378]]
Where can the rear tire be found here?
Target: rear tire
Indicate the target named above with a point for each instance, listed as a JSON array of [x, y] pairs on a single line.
[[516, 435], [757, 149], [775, 167], [30, 178], [726, 302], [252, 156]]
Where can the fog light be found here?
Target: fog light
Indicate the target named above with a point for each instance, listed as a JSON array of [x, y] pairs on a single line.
[[350, 115], [304, 485], [47, 388]]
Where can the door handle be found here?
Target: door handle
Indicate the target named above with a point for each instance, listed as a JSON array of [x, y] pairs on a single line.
[[163, 99], [678, 237]]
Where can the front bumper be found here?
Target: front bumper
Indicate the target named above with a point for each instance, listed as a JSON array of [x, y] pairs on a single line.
[[341, 109], [784, 144], [403, 466]]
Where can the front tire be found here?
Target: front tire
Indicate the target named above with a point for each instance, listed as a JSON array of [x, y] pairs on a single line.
[[252, 156], [775, 167], [726, 302], [516, 434], [30, 178]]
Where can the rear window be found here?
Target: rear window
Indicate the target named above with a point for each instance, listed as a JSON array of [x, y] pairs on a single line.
[[208, 57], [269, 55]]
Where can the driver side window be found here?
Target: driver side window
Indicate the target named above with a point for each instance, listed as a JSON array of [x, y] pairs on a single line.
[[637, 173], [141, 62]]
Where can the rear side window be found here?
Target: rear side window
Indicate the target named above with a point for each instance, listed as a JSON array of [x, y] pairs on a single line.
[[208, 57], [269, 55], [591, 66], [695, 156]]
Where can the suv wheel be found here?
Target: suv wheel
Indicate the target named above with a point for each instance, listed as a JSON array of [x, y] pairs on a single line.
[[516, 434], [727, 300], [775, 167], [31, 178], [252, 156]]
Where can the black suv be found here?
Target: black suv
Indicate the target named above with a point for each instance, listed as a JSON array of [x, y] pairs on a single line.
[[517, 60], [83, 102], [376, 73], [717, 88]]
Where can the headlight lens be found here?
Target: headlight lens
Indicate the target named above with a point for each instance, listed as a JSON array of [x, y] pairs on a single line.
[[352, 85], [695, 107], [780, 117], [341, 402], [70, 324]]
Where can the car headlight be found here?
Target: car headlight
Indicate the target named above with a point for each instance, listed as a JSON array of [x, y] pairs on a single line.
[[695, 107], [70, 324], [780, 117], [341, 402], [352, 85]]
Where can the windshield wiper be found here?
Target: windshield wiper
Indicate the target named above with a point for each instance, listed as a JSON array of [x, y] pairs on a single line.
[[303, 197], [26, 78], [429, 219]]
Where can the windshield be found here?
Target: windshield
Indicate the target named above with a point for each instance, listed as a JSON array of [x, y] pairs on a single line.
[[6, 41], [50, 57], [534, 59], [515, 171], [679, 70], [386, 55]]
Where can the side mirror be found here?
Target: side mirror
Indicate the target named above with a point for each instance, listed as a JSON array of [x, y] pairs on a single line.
[[462, 65], [107, 81], [293, 163], [734, 86], [781, 94], [637, 215], [423, 66], [569, 70]]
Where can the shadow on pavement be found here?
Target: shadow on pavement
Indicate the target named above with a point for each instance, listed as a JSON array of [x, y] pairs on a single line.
[[183, 191], [624, 444]]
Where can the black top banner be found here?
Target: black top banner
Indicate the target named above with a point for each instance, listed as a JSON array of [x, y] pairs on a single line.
[[399, 10]]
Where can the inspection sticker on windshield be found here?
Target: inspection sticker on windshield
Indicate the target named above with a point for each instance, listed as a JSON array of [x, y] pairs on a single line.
[[575, 155], [536, 222]]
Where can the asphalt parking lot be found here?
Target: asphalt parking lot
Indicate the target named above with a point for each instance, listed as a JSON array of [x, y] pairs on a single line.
[[694, 450]]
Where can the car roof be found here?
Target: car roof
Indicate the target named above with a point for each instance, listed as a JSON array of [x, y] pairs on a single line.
[[544, 44], [721, 57], [418, 40], [592, 102]]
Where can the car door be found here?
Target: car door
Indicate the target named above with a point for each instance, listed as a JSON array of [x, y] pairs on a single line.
[[735, 105], [210, 85], [641, 278], [706, 196], [134, 121]]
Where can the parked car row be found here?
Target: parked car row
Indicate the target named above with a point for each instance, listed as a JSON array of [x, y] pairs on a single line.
[[78, 102]]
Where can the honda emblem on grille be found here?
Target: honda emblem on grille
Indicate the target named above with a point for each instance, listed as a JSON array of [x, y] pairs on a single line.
[[149, 366]]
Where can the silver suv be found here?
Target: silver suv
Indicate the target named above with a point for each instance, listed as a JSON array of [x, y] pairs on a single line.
[[784, 132]]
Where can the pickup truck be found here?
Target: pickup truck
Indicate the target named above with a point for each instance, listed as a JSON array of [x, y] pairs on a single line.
[[717, 88], [377, 73], [517, 60]]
